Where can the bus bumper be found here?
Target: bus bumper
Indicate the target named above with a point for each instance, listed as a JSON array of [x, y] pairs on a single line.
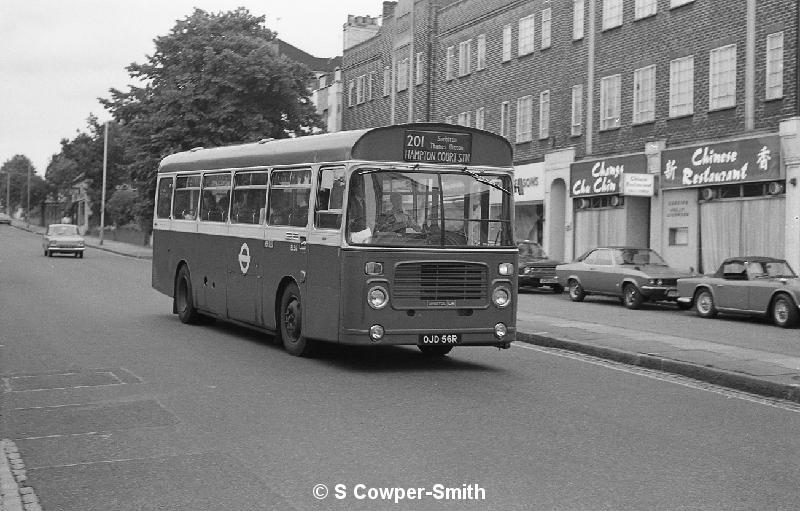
[[429, 337]]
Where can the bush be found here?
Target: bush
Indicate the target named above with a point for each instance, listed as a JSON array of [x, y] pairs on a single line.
[[121, 207]]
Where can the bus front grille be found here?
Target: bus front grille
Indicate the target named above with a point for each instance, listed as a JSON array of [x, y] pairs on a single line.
[[440, 284]]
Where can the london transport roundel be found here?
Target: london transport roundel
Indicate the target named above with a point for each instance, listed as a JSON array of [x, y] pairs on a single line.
[[244, 258]]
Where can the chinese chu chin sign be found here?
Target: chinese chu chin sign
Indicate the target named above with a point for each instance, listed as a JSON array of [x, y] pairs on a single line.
[[725, 163], [604, 177]]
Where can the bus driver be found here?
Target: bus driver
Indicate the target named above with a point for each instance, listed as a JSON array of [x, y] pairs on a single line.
[[397, 220]]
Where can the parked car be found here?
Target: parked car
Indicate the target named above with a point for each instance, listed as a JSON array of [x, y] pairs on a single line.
[[635, 275], [759, 286], [535, 268], [63, 238], [5, 219]]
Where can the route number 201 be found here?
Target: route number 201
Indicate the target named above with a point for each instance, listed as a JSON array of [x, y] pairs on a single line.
[[415, 140]]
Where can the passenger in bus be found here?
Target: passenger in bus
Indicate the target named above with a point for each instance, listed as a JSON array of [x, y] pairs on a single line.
[[397, 220], [209, 207]]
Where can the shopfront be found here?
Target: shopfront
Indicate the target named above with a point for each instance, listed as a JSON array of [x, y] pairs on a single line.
[[529, 202], [722, 200], [611, 201]]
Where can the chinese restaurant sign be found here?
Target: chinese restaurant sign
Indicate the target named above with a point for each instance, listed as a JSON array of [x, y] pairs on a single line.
[[437, 147], [739, 161], [603, 177]]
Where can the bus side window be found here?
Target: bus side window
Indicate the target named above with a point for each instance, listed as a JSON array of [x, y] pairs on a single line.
[[164, 205], [289, 193], [330, 197]]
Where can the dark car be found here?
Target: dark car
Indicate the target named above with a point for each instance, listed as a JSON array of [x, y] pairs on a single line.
[[633, 274], [755, 285], [535, 268]]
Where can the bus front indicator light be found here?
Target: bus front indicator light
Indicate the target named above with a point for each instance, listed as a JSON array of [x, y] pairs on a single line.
[[501, 296], [376, 332], [500, 330], [377, 297]]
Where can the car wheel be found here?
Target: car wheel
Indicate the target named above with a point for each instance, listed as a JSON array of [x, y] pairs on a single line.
[[631, 296], [558, 289], [576, 292], [184, 300], [704, 304], [290, 322], [80, 254], [435, 351], [784, 311], [46, 253]]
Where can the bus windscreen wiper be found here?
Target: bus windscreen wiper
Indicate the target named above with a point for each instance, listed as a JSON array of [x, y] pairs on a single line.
[[481, 179]]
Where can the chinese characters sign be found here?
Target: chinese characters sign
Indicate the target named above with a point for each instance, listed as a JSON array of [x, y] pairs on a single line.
[[603, 177], [739, 161]]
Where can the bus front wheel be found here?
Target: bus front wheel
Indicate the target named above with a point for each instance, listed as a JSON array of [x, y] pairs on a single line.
[[291, 323], [184, 301]]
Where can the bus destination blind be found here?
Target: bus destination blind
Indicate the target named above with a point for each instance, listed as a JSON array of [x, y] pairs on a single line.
[[437, 147]]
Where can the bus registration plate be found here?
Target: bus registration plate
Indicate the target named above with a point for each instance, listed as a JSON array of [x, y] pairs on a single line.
[[428, 339]]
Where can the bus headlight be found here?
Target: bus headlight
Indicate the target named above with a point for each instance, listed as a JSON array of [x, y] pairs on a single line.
[[505, 269], [501, 296], [500, 330], [376, 332], [377, 297]]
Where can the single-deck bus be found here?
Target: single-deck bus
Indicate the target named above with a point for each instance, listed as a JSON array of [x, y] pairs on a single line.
[[385, 236]]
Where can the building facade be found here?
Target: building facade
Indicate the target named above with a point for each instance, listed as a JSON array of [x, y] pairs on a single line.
[[664, 123]]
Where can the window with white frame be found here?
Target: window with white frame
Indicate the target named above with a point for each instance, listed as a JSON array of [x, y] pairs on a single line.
[[481, 49], [644, 94], [370, 85], [448, 62], [612, 13], [360, 82], [387, 80], [774, 59], [578, 13], [480, 118], [609, 102], [418, 71], [577, 109], [547, 24], [544, 114], [465, 57], [448, 119], [645, 8], [402, 74], [678, 3], [505, 119], [464, 119], [506, 43], [722, 77], [524, 119], [525, 42], [681, 86], [351, 88]]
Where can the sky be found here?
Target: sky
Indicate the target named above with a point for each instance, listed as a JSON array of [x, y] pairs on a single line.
[[58, 56]]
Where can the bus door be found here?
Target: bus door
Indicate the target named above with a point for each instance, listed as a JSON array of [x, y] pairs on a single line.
[[323, 283], [286, 240], [246, 252]]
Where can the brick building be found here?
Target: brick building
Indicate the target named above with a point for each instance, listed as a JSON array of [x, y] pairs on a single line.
[[673, 124]]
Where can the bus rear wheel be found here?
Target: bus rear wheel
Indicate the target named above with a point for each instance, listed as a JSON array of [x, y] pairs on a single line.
[[290, 322], [184, 301], [435, 351]]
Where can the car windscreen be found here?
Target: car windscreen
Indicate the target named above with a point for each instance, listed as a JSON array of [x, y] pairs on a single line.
[[398, 208], [63, 230]]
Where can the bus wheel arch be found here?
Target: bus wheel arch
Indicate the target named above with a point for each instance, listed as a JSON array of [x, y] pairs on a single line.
[[183, 297], [289, 320]]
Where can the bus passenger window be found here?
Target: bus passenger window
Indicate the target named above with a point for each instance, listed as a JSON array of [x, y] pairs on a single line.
[[249, 198], [289, 194], [187, 195], [330, 197]]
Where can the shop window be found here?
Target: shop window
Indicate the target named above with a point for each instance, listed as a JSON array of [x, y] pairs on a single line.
[[678, 236]]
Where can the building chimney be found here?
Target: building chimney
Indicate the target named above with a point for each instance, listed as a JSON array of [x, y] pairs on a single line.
[[359, 29]]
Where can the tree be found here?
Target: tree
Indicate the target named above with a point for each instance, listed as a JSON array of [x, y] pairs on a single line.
[[16, 170], [215, 79], [121, 207]]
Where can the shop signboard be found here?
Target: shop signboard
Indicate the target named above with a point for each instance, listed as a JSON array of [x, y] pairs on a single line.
[[528, 182], [724, 163], [639, 185], [604, 177]]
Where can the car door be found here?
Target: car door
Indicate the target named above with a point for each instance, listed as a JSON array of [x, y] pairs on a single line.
[[599, 276], [760, 287], [732, 291]]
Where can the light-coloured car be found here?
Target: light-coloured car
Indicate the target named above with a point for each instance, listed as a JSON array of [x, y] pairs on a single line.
[[633, 274], [63, 239], [755, 285], [5, 219]]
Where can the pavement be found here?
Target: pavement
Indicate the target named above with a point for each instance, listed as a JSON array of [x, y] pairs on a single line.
[[748, 369]]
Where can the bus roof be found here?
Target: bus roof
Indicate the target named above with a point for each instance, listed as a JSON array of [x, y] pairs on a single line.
[[459, 145]]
